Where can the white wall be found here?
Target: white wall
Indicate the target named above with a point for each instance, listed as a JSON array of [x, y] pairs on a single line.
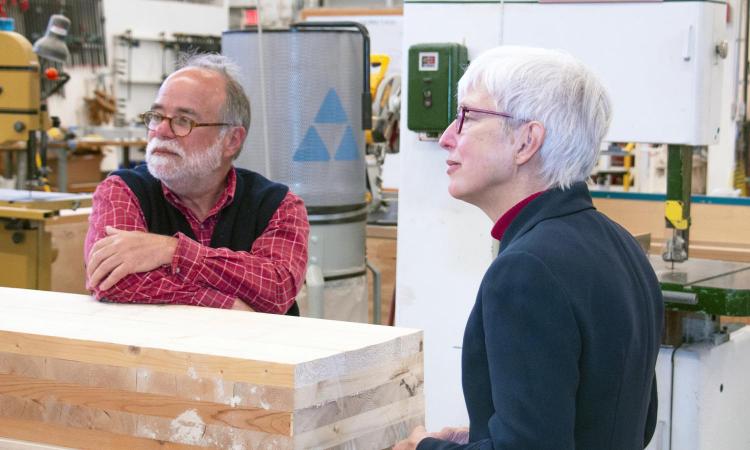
[[146, 19], [444, 245]]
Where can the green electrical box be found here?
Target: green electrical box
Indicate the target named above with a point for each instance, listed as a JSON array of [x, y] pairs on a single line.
[[434, 70]]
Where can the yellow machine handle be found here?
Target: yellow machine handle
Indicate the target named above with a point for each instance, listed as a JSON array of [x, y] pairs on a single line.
[[381, 62], [674, 214], [627, 163], [42, 179]]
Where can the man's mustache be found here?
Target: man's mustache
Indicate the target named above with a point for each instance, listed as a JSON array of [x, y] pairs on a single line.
[[172, 146]]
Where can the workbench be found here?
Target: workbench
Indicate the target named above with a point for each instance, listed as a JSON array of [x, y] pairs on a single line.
[[41, 239], [381, 253]]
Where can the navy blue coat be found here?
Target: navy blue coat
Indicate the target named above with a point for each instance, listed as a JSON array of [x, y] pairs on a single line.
[[560, 347]]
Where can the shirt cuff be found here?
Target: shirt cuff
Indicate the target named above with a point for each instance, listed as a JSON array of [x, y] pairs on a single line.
[[188, 258]]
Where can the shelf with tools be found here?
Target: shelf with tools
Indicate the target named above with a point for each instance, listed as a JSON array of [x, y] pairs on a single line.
[[642, 168], [142, 62], [615, 168]]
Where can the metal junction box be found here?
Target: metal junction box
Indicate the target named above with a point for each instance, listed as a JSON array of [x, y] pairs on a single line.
[[434, 71]]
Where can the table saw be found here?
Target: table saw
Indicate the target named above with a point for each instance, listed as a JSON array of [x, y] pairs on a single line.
[[703, 366]]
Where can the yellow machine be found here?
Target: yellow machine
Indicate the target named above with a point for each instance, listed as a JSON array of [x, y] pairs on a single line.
[[27, 237], [26, 250], [20, 93], [23, 111]]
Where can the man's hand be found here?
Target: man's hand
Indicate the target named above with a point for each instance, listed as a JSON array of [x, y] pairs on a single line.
[[413, 440], [124, 252]]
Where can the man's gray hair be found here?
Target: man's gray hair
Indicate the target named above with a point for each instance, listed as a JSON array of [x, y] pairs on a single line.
[[554, 88], [236, 109]]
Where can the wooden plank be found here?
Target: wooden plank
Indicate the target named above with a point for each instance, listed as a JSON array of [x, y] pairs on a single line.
[[384, 437], [190, 429], [353, 427], [81, 417], [12, 444], [22, 365], [47, 394], [103, 376], [356, 382], [79, 438], [134, 356], [408, 384], [189, 387]]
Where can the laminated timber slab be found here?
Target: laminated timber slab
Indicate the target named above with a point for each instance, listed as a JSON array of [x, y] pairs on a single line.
[[81, 372]]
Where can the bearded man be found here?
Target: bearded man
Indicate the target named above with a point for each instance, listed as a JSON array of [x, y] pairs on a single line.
[[188, 227]]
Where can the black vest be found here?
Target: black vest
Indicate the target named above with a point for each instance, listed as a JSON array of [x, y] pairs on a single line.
[[255, 201]]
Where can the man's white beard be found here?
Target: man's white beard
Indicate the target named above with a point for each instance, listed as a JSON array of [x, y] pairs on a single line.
[[191, 166]]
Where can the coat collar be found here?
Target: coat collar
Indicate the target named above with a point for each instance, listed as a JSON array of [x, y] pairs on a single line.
[[550, 204]]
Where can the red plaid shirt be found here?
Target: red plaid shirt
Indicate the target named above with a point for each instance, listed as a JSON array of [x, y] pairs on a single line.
[[267, 277]]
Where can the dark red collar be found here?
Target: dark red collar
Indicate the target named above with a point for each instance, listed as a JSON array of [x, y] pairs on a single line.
[[506, 219]]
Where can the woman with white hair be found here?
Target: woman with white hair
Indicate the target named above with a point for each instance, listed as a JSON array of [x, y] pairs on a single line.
[[560, 348]]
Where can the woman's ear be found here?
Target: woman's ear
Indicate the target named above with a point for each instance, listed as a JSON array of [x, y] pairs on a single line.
[[531, 141]]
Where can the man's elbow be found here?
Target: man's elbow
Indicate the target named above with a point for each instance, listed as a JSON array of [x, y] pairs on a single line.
[[286, 293], [109, 296], [115, 294], [282, 307]]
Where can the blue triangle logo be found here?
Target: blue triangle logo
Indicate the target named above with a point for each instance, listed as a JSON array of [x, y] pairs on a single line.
[[331, 110], [347, 150], [312, 148]]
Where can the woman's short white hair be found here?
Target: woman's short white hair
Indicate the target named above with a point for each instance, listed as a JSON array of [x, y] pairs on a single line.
[[551, 87]]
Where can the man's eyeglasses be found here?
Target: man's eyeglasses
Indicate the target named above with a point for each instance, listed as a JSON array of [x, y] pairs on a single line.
[[181, 126], [463, 110]]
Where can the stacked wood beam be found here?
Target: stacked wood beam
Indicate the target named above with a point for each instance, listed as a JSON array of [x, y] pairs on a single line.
[[78, 373]]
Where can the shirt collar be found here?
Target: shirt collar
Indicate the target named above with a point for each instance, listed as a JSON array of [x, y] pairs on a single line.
[[224, 200], [506, 219]]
